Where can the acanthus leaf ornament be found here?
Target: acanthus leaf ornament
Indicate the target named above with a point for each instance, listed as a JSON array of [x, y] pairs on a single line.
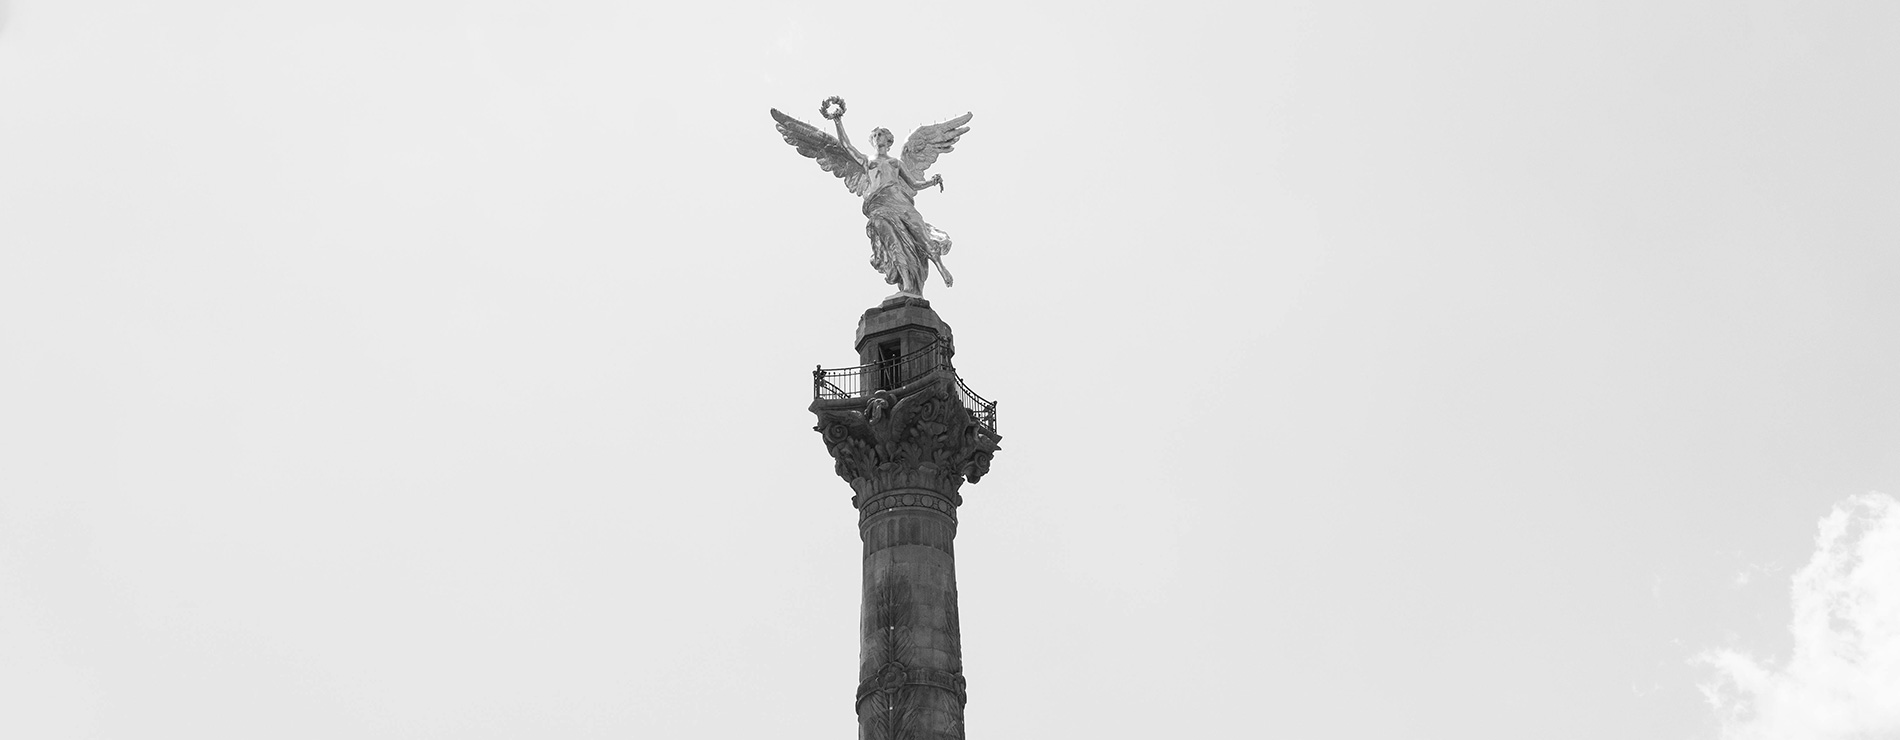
[[925, 439]]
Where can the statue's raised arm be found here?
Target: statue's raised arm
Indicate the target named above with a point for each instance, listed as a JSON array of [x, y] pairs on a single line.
[[903, 246]]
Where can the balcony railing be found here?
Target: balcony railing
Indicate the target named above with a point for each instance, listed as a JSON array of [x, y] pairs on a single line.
[[983, 411], [844, 383]]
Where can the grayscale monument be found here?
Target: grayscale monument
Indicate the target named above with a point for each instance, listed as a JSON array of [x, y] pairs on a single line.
[[906, 432]]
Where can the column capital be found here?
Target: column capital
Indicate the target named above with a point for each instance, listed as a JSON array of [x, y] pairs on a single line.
[[918, 437]]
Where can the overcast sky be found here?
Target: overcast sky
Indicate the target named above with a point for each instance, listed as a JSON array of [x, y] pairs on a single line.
[[433, 369]]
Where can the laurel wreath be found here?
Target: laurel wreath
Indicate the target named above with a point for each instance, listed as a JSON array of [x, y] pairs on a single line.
[[824, 108]]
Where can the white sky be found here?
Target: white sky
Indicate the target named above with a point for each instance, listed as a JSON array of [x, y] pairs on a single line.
[[439, 369]]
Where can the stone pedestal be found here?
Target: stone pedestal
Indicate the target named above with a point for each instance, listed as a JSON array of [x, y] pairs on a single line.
[[906, 444]]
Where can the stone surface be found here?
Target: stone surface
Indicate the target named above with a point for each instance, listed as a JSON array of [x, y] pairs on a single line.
[[923, 438], [907, 454], [910, 659], [907, 319]]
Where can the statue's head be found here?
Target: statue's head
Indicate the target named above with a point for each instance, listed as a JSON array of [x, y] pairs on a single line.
[[882, 139]]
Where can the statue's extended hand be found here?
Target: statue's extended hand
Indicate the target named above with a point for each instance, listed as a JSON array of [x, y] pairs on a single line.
[[937, 180]]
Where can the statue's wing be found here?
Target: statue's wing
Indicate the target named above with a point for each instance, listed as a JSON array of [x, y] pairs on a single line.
[[832, 156], [920, 152]]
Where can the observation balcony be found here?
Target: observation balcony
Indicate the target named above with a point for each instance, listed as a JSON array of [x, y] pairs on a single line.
[[900, 376]]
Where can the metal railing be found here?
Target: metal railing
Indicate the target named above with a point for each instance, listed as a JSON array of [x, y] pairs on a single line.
[[845, 383], [983, 411], [853, 382]]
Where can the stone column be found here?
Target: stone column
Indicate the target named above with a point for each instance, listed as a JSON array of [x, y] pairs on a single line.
[[906, 452]]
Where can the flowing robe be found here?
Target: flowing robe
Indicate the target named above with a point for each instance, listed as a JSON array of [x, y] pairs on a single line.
[[902, 245]]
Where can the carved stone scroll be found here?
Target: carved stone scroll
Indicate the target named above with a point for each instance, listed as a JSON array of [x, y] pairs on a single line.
[[923, 439]]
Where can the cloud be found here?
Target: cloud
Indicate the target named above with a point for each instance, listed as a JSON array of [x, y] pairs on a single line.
[[1843, 678]]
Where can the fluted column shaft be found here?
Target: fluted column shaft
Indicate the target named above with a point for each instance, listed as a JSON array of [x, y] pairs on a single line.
[[910, 667]]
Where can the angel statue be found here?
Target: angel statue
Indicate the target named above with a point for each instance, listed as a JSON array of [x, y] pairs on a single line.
[[903, 246]]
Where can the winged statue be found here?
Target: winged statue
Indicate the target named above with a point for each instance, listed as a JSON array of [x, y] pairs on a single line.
[[903, 246]]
